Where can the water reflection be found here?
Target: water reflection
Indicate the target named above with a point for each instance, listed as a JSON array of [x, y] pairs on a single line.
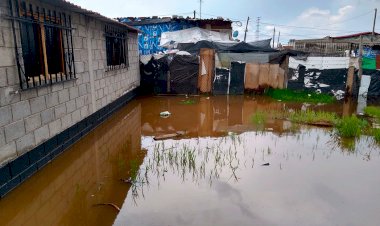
[[225, 170], [67, 190], [226, 180]]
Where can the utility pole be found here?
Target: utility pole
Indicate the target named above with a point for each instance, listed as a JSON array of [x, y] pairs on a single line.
[[374, 24], [194, 13], [258, 28], [360, 72], [278, 39], [274, 35], [246, 30], [200, 9]]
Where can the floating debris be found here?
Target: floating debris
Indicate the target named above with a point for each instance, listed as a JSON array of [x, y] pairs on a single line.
[[165, 114], [109, 204], [168, 136], [128, 180]]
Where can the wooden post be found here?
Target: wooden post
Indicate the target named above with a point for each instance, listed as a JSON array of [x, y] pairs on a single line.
[[350, 80], [47, 75], [360, 73]]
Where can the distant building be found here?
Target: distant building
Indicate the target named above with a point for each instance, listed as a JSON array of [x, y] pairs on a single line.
[[335, 46], [152, 27]]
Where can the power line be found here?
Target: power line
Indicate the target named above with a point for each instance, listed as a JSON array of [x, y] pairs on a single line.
[[355, 17], [303, 27]]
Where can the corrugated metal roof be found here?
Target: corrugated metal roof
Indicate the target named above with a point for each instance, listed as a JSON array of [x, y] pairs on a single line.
[[77, 9], [354, 35]]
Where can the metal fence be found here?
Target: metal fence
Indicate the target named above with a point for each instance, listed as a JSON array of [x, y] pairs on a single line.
[[43, 44]]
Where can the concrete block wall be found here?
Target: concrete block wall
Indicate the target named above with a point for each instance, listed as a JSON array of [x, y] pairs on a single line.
[[30, 117]]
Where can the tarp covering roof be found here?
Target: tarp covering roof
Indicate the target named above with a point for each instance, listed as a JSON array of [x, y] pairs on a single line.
[[234, 47], [192, 35], [261, 43]]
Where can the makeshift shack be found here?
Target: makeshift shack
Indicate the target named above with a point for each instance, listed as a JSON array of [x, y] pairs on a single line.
[[223, 67]]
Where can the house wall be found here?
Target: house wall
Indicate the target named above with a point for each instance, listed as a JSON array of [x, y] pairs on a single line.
[[28, 118]]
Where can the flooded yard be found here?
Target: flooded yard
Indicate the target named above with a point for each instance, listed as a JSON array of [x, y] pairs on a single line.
[[222, 169]]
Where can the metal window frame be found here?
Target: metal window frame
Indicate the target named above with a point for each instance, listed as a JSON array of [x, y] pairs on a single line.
[[21, 14], [113, 32]]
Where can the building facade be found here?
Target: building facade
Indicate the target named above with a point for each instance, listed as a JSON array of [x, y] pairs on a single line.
[[336, 46], [63, 70]]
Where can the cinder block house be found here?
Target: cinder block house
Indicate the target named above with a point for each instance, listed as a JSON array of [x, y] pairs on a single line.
[[63, 71]]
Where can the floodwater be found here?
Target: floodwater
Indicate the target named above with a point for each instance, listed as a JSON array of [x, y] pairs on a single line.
[[225, 170]]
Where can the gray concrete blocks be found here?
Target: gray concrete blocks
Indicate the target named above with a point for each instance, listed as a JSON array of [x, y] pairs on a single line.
[[14, 130], [20, 110], [66, 121], [32, 116], [37, 104], [47, 116], [7, 152], [60, 110], [63, 96], [5, 115], [55, 127], [41, 134], [51, 100], [32, 122], [25, 143], [70, 106]]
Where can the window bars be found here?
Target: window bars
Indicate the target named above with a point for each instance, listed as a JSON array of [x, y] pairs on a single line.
[[43, 44], [116, 48]]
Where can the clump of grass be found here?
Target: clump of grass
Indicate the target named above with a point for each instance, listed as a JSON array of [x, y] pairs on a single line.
[[376, 134], [350, 126], [313, 117], [188, 102], [299, 96], [258, 118], [372, 111]]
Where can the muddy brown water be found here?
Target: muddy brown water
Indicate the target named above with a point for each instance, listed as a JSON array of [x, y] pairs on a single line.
[[224, 171]]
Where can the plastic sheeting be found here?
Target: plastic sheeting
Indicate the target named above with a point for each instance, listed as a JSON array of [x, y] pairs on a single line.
[[184, 75], [374, 86], [220, 84], [237, 78], [331, 81], [226, 58], [320, 63], [240, 47], [154, 75], [192, 35]]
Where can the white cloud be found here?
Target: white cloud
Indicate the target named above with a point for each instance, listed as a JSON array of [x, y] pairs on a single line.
[[324, 22]]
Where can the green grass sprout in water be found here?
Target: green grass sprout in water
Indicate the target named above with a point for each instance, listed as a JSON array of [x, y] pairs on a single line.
[[299, 96], [188, 102], [351, 126], [258, 118], [372, 111], [376, 134], [313, 117]]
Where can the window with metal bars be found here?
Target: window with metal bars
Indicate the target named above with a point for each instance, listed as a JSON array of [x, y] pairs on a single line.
[[116, 48], [44, 46]]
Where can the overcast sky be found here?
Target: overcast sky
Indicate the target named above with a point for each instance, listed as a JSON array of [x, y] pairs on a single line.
[[327, 17]]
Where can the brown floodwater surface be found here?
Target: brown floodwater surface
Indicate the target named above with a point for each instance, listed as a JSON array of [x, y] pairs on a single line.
[[225, 170]]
